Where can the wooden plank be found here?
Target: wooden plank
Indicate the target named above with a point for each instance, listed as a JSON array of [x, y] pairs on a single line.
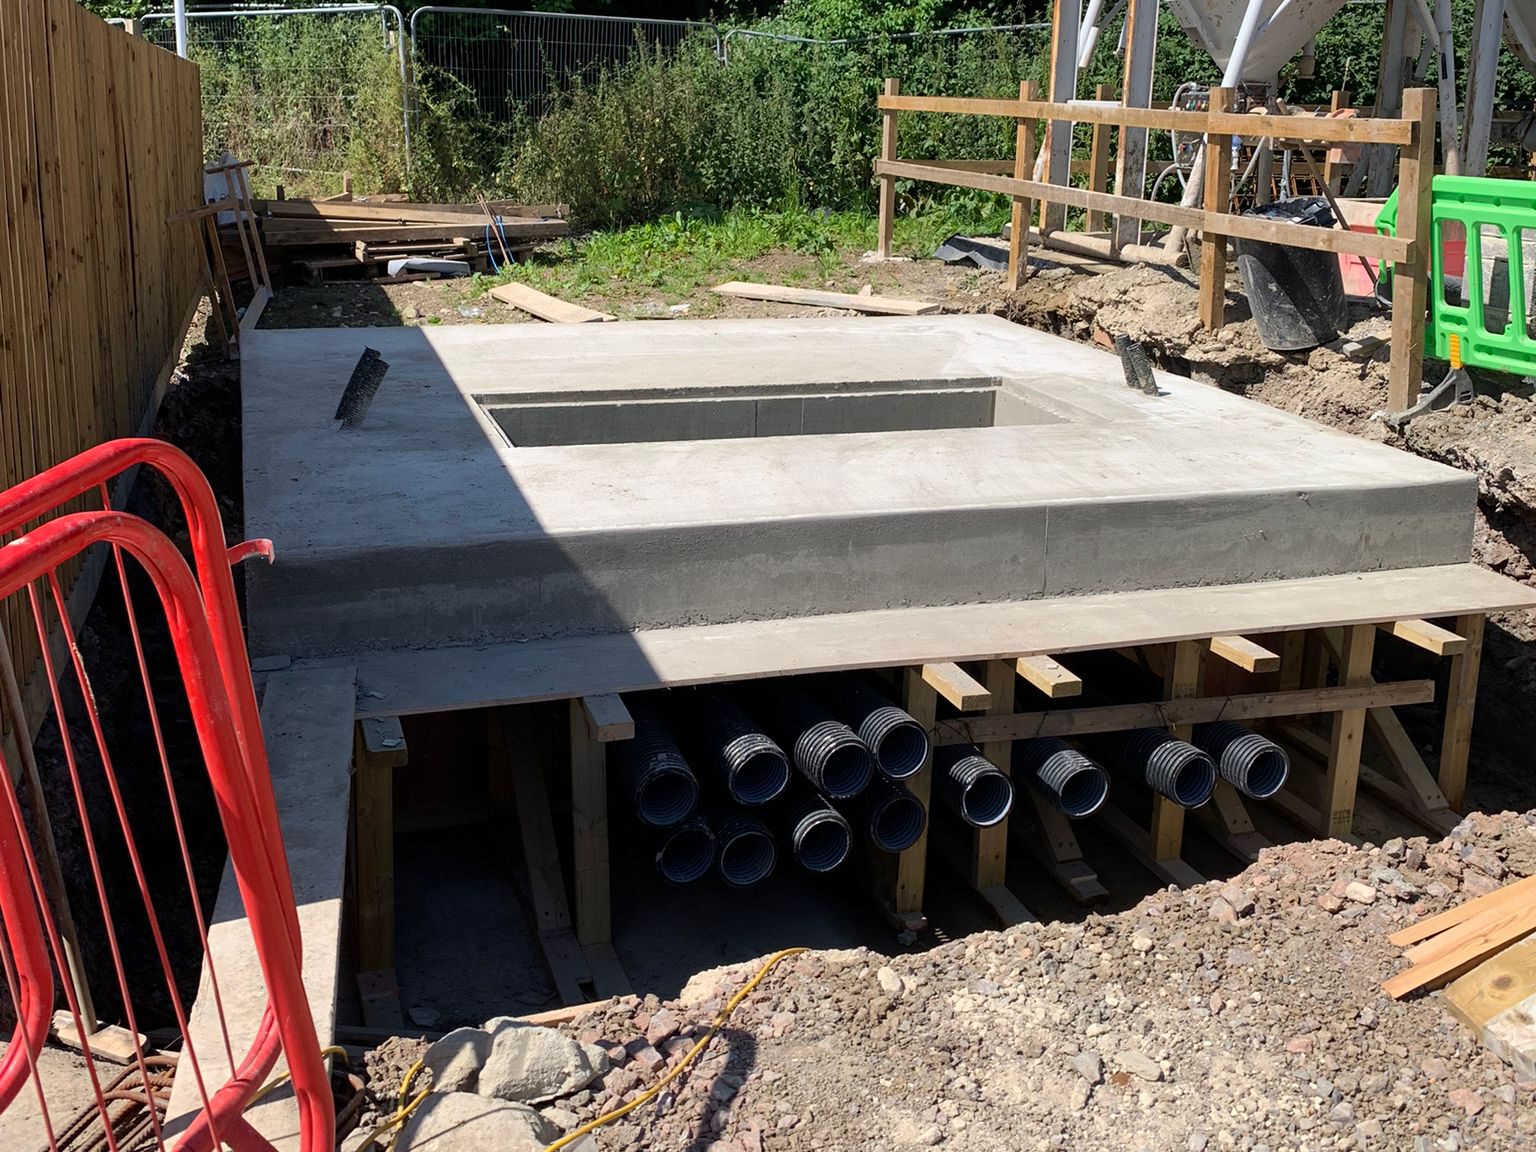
[[608, 975], [1453, 952], [1172, 713], [1460, 704], [1517, 893], [541, 854], [1497, 1000], [957, 686], [887, 218], [1169, 869], [467, 215], [785, 294], [282, 233], [1218, 199], [373, 808], [1410, 273], [1023, 169], [547, 307], [252, 315], [607, 718], [1049, 676], [589, 831], [1245, 654], [1430, 637], [1367, 245], [1295, 128], [1165, 836]]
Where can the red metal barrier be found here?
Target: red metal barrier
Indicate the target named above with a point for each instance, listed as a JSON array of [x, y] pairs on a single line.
[[204, 629]]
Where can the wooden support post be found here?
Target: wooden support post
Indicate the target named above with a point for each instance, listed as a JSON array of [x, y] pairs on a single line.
[[1292, 656], [1331, 174], [888, 183], [1460, 702], [1183, 680], [1098, 160], [1410, 280], [1218, 195], [1140, 37], [1054, 844], [378, 749], [1338, 807], [589, 830], [989, 857], [905, 899], [1023, 169], [1066, 17]]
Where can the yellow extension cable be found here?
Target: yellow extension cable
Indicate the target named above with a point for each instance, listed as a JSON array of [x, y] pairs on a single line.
[[403, 1109]]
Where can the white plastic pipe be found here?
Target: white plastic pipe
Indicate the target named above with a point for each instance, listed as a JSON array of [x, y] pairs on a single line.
[[181, 27]]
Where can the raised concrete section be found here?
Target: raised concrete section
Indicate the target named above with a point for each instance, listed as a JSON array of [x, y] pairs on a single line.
[[307, 720], [541, 483]]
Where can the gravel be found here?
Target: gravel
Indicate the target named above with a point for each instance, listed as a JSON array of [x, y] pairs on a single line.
[[1264, 1031]]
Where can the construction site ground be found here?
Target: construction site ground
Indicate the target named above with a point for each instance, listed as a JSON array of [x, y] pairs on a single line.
[[1246, 1014]]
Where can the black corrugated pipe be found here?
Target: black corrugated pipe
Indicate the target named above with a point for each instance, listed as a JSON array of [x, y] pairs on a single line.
[[972, 785], [826, 751], [818, 834], [752, 766], [747, 851], [1254, 765], [660, 784], [1075, 785], [898, 741], [686, 852], [1170, 766], [890, 815]]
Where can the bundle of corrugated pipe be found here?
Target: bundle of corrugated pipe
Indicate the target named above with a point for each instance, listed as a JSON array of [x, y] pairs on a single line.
[[708, 770]]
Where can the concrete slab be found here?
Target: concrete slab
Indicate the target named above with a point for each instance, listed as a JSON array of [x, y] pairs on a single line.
[[430, 527], [307, 719]]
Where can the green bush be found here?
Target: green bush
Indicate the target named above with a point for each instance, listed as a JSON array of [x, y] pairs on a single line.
[[780, 123]]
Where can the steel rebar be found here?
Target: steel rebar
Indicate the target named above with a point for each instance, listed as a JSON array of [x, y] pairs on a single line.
[[660, 783], [898, 742], [972, 785], [747, 851], [1075, 785], [1255, 765], [890, 815], [1171, 767], [753, 768], [826, 751], [819, 836], [685, 852]]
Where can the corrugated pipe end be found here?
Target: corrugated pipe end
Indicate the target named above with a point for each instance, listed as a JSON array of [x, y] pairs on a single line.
[[896, 818], [661, 786], [821, 839], [1255, 765], [685, 853], [897, 741], [1170, 766], [757, 775], [1076, 785], [747, 851], [835, 760], [972, 785]]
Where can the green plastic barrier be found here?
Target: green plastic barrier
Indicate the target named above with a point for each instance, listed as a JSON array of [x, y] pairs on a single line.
[[1500, 214]]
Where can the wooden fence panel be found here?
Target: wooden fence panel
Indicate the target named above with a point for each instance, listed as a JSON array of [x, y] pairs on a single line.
[[100, 141]]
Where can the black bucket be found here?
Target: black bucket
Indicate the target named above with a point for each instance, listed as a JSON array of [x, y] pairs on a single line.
[[1296, 294]]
